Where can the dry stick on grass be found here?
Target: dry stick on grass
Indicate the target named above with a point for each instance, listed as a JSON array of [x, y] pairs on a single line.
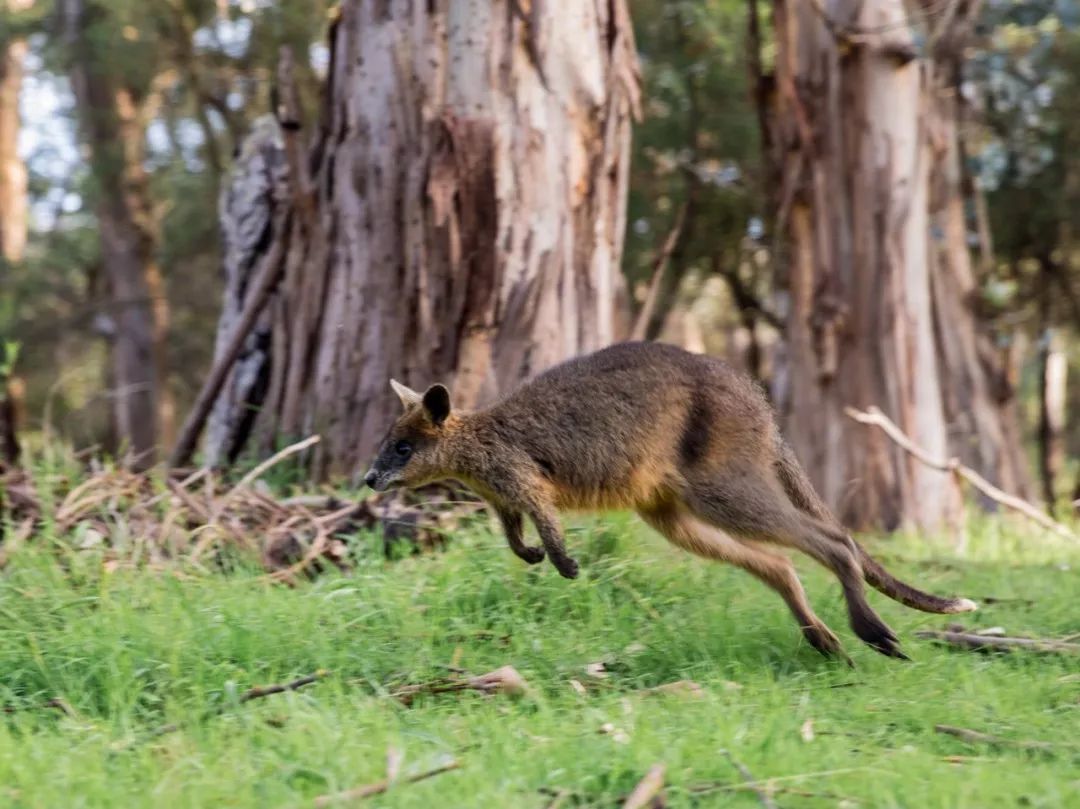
[[751, 782], [874, 416], [280, 688], [977, 737], [214, 519], [190, 480], [256, 692], [59, 703], [705, 789], [318, 547], [646, 789], [504, 680], [967, 640], [379, 787], [270, 462]]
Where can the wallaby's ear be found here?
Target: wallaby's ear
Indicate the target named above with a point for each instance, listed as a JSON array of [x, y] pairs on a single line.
[[437, 404], [408, 396]]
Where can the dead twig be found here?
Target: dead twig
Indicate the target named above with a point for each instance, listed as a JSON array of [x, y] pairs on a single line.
[[751, 782], [270, 462], [379, 787], [647, 788], [977, 737], [980, 643], [705, 789], [59, 703], [641, 324], [874, 416], [505, 680], [280, 688]]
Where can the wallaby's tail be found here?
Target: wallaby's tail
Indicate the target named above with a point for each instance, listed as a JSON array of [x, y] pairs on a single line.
[[802, 494], [880, 579]]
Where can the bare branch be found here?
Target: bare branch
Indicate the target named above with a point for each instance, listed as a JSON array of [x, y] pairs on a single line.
[[977, 737], [280, 688], [874, 416], [980, 643], [379, 787], [641, 324], [751, 782]]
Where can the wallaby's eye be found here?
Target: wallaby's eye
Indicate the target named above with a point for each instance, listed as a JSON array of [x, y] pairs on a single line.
[[403, 449]]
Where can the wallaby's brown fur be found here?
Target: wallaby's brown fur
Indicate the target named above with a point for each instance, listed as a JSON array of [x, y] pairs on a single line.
[[682, 439]]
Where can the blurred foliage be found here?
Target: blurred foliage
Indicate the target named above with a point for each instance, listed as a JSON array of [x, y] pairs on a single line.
[[199, 72]]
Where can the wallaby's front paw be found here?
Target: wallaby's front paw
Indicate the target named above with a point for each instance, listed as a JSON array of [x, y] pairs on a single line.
[[531, 554], [567, 567]]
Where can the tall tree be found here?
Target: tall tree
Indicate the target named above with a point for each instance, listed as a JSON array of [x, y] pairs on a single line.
[[462, 218], [12, 171], [112, 125], [880, 282], [13, 202]]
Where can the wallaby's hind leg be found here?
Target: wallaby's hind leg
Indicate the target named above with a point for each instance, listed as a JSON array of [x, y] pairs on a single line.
[[758, 508], [684, 530], [801, 492]]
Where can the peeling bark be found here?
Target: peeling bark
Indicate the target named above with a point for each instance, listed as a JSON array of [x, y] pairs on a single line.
[[856, 166], [980, 402], [12, 171], [464, 213], [881, 283]]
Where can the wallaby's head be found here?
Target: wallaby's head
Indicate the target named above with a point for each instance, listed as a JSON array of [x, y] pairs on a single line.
[[409, 455]]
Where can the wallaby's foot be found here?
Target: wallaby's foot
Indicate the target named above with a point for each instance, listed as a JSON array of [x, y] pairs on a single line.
[[876, 633], [821, 638], [531, 553], [566, 566]]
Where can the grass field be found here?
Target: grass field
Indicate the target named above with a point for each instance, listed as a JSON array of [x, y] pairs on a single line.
[[131, 652]]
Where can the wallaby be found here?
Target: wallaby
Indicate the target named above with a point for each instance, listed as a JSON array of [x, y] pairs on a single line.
[[683, 439]]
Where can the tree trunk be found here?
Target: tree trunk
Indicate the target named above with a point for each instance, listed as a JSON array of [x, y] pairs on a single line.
[[458, 218], [1053, 369], [980, 402], [856, 164], [882, 290], [13, 211], [12, 171], [137, 317]]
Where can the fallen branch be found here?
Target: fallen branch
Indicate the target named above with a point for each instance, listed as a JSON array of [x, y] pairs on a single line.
[[646, 789], [705, 789], [280, 688], [59, 703], [751, 782], [379, 787], [980, 643], [270, 462], [874, 416], [977, 737], [505, 680], [641, 324]]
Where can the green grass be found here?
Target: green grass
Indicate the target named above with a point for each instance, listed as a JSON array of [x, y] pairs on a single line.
[[132, 651]]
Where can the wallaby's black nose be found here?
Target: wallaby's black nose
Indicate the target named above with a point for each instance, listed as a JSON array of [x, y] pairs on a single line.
[[370, 479]]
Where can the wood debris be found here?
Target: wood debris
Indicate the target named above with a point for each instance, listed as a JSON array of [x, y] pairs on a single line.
[[198, 517], [505, 680]]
